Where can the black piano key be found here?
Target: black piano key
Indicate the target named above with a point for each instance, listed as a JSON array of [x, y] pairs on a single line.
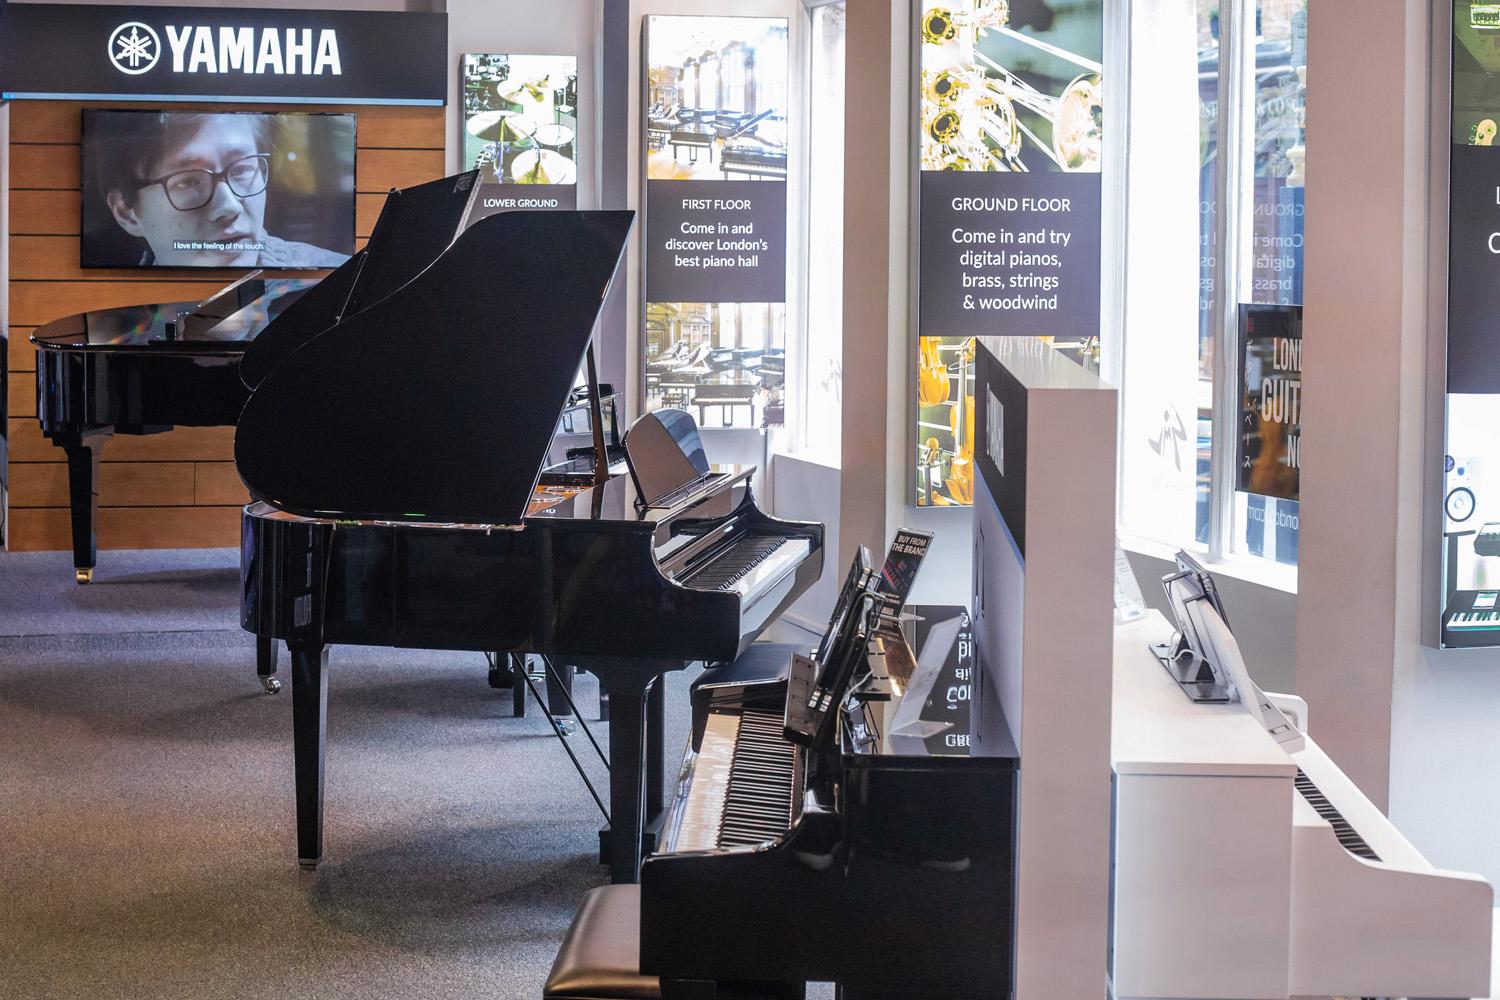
[[759, 797], [728, 566], [1347, 836]]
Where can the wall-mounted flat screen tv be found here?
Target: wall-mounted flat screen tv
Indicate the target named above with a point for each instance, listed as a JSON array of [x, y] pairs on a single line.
[[194, 189]]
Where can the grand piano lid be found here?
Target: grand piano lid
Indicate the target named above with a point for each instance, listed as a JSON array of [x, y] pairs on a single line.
[[415, 226], [438, 403], [145, 327]]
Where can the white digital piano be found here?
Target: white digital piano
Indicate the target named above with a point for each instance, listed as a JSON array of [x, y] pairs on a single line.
[[1245, 867]]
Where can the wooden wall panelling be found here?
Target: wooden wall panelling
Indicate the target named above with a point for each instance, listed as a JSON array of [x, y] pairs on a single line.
[[33, 303], [164, 490], [46, 528], [21, 393], [45, 168], [379, 126], [122, 484], [218, 483], [22, 355], [38, 212], [185, 444]]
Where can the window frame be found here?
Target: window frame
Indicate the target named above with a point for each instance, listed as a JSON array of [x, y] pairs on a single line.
[[1233, 198]]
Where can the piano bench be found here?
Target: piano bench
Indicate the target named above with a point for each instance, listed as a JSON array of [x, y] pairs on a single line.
[[600, 959]]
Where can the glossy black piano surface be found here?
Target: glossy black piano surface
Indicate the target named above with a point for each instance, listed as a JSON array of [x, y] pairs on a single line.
[[433, 520], [143, 370], [871, 862]]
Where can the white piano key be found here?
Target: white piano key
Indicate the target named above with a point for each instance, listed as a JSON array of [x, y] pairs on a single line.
[[704, 806]]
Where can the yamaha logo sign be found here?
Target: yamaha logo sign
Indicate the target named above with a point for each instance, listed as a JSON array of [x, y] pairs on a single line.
[[134, 48], [98, 52]]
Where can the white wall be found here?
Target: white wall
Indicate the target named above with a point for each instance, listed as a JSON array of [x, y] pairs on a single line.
[[809, 491], [1417, 728], [1264, 620]]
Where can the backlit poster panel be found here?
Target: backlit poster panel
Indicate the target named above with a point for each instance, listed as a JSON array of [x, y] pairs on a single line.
[[1010, 133], [520, 130], [715, 168], [1471, 461], [1269, 455]]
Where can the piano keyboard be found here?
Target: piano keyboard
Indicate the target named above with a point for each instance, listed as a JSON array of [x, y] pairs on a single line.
[[1475, 620], [756, 561], [743, 784], [762, 780], [1348, 837]]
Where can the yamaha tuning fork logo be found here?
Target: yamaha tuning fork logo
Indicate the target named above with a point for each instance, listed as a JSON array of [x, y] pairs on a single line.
[[134, 48]]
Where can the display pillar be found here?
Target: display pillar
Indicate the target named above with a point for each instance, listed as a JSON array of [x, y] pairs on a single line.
[[1044, 521]]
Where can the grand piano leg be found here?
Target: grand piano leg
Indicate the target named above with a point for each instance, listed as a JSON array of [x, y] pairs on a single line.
[[628, 682], [656, 724], [560, 695], [309, 731], [265, 663], [83, 498]]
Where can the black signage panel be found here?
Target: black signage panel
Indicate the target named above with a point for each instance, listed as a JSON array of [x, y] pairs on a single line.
[[1270, 441], [715, 241], [1000, 412], [528, 198], [1473, 269], [1014, 253], [243, 55]]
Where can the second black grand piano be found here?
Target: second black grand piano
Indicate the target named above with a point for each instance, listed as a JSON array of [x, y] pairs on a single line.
[[399, 460]]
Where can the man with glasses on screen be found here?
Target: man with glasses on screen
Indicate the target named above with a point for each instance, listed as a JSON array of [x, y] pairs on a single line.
[[194, 188]]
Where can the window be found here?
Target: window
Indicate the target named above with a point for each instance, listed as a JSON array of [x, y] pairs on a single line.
[[820, 394], [1214, 207]]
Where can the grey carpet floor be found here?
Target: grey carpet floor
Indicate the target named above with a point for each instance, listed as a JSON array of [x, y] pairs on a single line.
[[162, 591], [146, 818]]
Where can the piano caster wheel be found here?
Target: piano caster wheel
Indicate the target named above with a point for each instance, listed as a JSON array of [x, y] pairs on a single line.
[[270, 685], [307, 864], [566, 724], [83, 576]]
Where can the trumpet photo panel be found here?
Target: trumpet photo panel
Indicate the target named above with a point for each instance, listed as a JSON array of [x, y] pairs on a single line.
[[520, 130], [1011, 86]]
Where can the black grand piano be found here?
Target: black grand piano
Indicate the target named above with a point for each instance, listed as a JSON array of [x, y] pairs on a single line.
[[397, 446], [144, 370]]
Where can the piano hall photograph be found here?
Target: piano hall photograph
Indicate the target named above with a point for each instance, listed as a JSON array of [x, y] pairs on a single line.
[[749, 500]]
